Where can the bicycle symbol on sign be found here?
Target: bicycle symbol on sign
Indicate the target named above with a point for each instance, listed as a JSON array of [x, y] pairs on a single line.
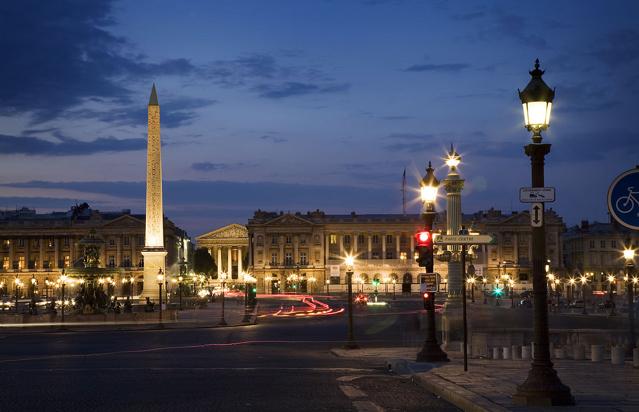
[[625, 204]]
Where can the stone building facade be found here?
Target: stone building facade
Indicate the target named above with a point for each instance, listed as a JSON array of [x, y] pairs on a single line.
[[229, 248], [294, 251], [39, 246], [596, 249]]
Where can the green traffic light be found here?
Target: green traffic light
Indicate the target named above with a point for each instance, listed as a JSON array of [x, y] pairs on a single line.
[[497, 291]]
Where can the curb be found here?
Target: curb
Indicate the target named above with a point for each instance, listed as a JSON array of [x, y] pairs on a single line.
[[455, 394]]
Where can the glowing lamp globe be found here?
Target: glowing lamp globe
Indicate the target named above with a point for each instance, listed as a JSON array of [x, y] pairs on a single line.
[[536, 100], [629, 254], [429, 186]]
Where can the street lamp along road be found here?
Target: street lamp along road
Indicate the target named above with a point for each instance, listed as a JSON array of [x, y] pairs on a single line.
[[223, 277], [160, 278], [431, 351], [542, 386], [629, 256], [349, 261]]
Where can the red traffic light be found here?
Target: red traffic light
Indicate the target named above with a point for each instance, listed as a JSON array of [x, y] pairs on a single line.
[[423, 238], [426, 295]]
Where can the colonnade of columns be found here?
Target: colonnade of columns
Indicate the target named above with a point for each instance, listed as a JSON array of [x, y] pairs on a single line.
[[226, 257]]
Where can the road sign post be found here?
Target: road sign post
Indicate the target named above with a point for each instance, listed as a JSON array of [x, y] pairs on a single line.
[[537, 214], [537, 194]]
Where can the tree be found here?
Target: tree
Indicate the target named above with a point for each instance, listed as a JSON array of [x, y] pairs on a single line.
[[203, 262]]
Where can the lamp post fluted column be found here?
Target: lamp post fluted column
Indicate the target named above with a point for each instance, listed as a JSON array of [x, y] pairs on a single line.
[[452, 318], [629, 255], [542, 386]]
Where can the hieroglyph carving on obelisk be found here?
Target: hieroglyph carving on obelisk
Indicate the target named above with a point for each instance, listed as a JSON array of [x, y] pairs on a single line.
[[153, 252]]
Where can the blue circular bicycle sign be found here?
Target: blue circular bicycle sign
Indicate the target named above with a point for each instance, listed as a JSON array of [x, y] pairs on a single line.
[[623, 199]]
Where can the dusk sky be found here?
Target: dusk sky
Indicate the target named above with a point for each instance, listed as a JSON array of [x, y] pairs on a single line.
[[299, 105]]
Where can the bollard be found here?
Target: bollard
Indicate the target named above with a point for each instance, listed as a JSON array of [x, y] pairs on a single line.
[[578, 352], [560, 353], [495, 353], [525, 352], [596, 353], [635, 357], [617, 356], [515, 352], [506, 351]]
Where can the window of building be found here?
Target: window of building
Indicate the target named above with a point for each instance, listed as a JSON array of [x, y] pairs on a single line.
[[375, 239], [602, 244], [390, 254], [317, 257], [127, 261], [66, 242], [592, 244], [347, 239], [288, 259], [389, 239], [5, 263], [361, 239], [50, 242], [67, 261], [523, 276], [289, 239], [21, 262], [274, 240], [111, 242], [111, 261], [317, 239], [375, 255], [333, 239], [303, 240], [141, 262], [125, 240], [140, 240], [6, 243], [274, 258], [36, 242], [20, 242], [303, 259], [260, 240], [403, 240], [613, 244]]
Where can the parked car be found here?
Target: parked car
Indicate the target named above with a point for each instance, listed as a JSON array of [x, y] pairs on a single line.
[[526, 303], [577, 304]]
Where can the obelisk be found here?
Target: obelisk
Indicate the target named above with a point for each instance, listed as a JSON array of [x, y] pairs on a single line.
[[153, 252]]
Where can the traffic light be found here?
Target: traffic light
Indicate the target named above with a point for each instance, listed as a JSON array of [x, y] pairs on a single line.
[[424, 249], [429, 300], [252, 295]]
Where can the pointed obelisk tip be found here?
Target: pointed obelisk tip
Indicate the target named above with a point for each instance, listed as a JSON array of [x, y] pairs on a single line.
[[153, 100]]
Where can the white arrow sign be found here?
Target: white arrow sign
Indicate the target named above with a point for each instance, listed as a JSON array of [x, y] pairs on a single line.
[[464, 239], [536, 194], [537, 214]]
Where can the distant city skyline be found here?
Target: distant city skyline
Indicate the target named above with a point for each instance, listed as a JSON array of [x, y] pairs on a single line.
[[297, 106]]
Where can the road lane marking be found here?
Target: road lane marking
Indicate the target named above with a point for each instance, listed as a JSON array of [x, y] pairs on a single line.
[[367, 406], [168, 348], [352, 392]]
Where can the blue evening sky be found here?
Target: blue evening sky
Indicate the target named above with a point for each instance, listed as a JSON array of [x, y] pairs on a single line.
[[298, 105]]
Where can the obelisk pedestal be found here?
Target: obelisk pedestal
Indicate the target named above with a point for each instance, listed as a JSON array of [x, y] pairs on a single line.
[[153, 252]]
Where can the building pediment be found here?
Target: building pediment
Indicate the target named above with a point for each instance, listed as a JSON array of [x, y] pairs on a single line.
[[233, 231], [125, 221], [289, 220]]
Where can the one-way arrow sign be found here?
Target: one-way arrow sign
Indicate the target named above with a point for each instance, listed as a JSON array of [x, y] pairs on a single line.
[[537, 214]]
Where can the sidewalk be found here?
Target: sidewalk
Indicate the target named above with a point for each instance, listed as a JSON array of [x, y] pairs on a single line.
[[489, 384]]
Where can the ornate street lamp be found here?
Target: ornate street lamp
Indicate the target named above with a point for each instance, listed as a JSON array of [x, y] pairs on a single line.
[[629, 256], [542, 386], [17, 284], [63, 281], [349, 260], [431, 351], [223, 277], [160, 278]]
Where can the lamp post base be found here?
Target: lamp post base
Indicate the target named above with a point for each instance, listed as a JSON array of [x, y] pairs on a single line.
[[543, 388], [432, 352], [351, 345]]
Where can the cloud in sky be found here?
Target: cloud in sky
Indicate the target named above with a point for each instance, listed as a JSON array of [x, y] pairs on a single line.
[[444, 68], [62, 54], [215, 167], [67, 146], [290, 89]]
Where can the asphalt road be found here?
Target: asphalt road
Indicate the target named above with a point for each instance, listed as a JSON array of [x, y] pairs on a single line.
[[277, 365]]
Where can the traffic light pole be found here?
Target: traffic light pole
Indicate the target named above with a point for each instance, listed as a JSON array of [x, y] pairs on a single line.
[[431, 351], [465, 319]]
